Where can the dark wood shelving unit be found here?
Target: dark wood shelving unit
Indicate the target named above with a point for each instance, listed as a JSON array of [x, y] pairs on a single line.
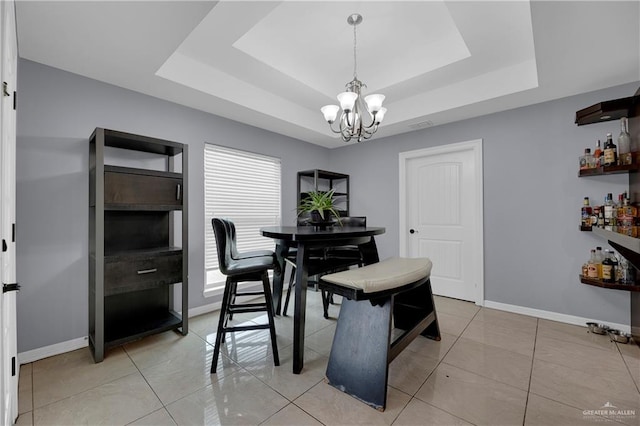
[[606, 111], [600, 283], [135, 262], [627, 246], [323, 180]]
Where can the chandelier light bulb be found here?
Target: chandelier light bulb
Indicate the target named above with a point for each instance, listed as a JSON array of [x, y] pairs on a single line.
[[374, 102], [347, 100], [380, 115], [330, 112]]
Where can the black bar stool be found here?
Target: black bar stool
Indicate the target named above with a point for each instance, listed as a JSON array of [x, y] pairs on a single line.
[[236, 271]]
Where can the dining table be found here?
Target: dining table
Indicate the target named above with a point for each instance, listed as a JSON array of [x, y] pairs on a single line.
[[307, 239]]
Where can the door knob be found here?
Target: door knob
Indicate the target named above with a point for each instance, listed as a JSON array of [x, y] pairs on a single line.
[[412, 231]]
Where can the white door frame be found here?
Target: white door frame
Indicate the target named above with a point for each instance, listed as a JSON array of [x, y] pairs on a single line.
[[476, 147], [9, 368]]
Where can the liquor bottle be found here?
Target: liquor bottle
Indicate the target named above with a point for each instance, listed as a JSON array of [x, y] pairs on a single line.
[[627, 273], [592, 266], [609, 265], [610, 152], [587, 211], [598, 154], [624, 143], [584, 159], [587, 161], [599, 259], [601, 216], [609, 209], [595, 217]]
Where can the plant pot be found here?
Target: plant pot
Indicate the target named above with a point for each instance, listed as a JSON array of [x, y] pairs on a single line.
[[320, 223]]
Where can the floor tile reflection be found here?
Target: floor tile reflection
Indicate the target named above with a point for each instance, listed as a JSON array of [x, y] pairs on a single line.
[[544, 373]]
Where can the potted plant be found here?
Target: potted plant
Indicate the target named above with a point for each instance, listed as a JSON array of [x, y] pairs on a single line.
[[319, 206]]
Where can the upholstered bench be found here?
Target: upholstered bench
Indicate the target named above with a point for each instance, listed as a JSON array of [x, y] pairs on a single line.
[[396, 289]]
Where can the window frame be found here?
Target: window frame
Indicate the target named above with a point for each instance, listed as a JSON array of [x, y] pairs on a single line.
[[228, 194]]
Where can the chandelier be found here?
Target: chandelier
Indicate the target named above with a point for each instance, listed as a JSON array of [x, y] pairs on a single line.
[[352, 124]]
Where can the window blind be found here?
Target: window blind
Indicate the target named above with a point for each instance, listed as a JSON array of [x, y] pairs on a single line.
[[245, 188]]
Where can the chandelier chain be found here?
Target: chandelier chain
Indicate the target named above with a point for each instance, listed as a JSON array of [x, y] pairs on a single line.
[[355, 65]]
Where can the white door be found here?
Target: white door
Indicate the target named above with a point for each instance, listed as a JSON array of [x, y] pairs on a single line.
[[441, 199], [8, 349]]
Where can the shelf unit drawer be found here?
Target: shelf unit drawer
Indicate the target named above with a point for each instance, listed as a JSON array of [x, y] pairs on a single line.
[[124, 274], [133, 189]]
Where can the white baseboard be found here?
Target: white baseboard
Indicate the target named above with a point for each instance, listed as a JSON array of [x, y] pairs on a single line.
[[51, 350], [82, 342], [204, 309], [553, 316]]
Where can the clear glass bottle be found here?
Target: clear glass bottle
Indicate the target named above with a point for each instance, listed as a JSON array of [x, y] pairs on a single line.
[[610, 152], [585, 161], [627, 273], [624, 144], [609, 212]]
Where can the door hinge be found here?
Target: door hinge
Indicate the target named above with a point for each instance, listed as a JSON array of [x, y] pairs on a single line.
[[15, 100], [13, 232], [10, 287], [5, 89], [13, 366], [4, 245]]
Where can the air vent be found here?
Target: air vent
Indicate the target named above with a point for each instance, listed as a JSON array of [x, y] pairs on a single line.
[[421, 125]]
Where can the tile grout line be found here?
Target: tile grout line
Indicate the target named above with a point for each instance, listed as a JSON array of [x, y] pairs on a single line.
[[440, 361], [546, 397], [627, 365], [533, 356], [31, 412], [150, 387]]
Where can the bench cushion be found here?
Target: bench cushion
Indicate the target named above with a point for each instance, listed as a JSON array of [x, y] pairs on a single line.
[[388, 274]]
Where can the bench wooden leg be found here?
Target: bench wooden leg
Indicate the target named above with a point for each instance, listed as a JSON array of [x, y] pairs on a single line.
[[358, 362], [362, 348], [413, 306]]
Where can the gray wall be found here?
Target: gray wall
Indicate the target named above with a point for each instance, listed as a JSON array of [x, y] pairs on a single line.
[[532, 195], [532, 199], [57, 111]]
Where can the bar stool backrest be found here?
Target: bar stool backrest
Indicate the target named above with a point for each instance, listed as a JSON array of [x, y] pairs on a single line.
[[354, 221], [222, 244]]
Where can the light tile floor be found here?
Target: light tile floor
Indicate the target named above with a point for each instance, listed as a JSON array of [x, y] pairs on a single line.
[[491, 367]]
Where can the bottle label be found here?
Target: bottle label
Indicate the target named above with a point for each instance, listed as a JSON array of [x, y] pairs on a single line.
[[609, 156], [608, 212], [608, 273], [592, 270]]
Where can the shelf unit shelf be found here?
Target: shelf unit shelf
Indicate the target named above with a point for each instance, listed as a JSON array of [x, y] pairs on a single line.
[[136, 328], [609, 170], [600, 283]]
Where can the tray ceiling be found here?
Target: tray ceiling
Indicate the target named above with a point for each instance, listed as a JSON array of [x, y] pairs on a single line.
[[274, 64]]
